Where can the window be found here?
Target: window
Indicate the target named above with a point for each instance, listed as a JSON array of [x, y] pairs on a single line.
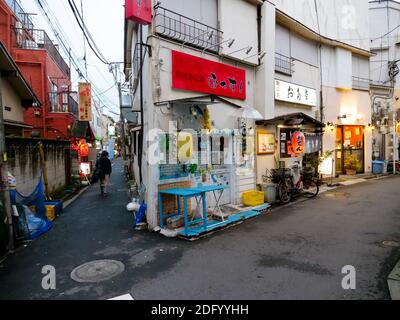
[[54, 103]]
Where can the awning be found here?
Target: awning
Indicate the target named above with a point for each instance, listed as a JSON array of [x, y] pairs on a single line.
[[11, 72], [17, 124], [83, 130], [293, 119], [201, 101]]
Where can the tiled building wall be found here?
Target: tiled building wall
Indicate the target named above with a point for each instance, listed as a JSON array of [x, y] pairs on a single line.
[[170, 204]]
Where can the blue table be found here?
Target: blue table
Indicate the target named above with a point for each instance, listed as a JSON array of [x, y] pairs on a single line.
[[214, 189], [185, 194]]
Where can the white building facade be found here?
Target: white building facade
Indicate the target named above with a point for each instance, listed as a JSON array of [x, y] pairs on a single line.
[[253, 73], [329, 58], [385, 86]]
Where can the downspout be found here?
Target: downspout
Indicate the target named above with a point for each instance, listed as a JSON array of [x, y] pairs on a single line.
[[141, 142]]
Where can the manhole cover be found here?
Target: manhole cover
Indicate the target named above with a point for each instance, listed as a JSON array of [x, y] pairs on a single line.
[[391, 243], [97, 271]]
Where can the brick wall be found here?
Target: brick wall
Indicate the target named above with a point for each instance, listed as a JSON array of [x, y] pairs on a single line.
[[24, 163], [170, 203]]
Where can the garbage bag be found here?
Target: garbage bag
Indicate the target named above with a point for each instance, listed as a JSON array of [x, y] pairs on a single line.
[[141, 214], [36, 225]]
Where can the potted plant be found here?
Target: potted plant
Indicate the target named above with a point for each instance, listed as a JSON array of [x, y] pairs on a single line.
[[352, 165]]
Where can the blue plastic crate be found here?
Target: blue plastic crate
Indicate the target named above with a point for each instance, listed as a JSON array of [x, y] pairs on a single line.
[[378, 167]]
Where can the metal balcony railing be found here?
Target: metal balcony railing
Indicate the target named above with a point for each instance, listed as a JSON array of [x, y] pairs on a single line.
[[283, 64], [183, 29], [35, 39], [64, 102], [22, 16], [137, 64], [361, 83]]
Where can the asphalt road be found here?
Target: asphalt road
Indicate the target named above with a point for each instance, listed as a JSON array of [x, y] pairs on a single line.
[[295, 252]]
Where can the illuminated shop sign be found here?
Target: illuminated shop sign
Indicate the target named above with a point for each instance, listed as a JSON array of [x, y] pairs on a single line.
[[138, 11], [293, 93]]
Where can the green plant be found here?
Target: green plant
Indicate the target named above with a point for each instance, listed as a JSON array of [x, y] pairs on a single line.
[[193, 168], [352, 163], [316, 161]]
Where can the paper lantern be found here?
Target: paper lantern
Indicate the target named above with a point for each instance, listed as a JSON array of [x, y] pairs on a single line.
[[298, 143]]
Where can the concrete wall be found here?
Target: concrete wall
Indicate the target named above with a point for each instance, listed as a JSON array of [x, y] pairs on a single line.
[[344, 20], [13, 101], [164, 75], [24, 163], [244, 33]]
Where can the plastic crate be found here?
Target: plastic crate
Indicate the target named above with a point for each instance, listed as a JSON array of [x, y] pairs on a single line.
[[378, 167], [253, 198]]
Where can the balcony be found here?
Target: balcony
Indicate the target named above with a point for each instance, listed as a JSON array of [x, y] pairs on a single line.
[[22, 16], [35, 39], [283, 64], [361, 83], [64, 102], [185, 30]]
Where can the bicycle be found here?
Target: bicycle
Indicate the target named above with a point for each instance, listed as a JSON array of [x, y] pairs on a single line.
[[306, 186]]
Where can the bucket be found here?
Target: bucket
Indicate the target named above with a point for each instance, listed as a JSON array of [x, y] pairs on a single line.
[[269, 190]]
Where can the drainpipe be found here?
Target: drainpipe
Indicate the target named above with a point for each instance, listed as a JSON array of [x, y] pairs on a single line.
[[141, 142]]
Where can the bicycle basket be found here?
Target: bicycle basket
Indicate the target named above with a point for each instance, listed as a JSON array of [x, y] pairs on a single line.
[[280, 174]]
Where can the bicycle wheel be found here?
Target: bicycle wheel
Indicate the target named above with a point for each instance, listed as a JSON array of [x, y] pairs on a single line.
[[311, 189], [284, 192]]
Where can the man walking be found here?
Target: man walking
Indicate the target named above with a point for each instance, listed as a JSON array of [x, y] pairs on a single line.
[[103, 166]]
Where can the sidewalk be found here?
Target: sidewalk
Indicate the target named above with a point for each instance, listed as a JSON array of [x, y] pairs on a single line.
[[345, 180]]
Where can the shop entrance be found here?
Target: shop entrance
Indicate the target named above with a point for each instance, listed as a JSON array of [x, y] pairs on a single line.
[[349, 143]]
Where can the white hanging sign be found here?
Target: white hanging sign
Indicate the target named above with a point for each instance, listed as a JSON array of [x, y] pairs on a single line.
[[293, 93]]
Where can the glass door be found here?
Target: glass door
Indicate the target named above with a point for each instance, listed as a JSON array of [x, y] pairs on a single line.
[[349, 142]]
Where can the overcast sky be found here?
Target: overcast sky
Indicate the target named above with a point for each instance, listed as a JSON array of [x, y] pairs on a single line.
[[105, 21]]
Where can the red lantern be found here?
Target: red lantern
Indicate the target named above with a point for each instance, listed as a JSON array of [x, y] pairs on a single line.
[[83, 149], [298, 143]]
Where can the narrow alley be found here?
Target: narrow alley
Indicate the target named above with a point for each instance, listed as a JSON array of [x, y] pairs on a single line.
[[302, 259]]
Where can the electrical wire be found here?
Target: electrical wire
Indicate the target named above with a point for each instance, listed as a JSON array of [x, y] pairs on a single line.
[[81, 24], [63, 41]]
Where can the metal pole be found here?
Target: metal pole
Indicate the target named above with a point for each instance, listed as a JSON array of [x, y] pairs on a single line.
[[394, 142], [3, 177]]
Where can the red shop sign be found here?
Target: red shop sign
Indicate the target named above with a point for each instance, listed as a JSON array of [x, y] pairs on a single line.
[[138, 11], [196, 74]]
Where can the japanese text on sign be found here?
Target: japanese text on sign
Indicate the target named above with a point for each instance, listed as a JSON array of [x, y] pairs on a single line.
[[289, 92], [85, 102]]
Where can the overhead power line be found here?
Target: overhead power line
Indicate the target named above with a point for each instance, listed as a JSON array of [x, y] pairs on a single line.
[[64, 45], [79, 19]]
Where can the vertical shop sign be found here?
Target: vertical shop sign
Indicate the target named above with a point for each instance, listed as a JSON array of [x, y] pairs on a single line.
[[138, 11], [85, 102]]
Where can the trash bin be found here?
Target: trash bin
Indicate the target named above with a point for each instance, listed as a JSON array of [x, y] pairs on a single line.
[[378, 167], [269, 190]]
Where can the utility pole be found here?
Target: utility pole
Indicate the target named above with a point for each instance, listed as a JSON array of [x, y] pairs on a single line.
[[5, 197]]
